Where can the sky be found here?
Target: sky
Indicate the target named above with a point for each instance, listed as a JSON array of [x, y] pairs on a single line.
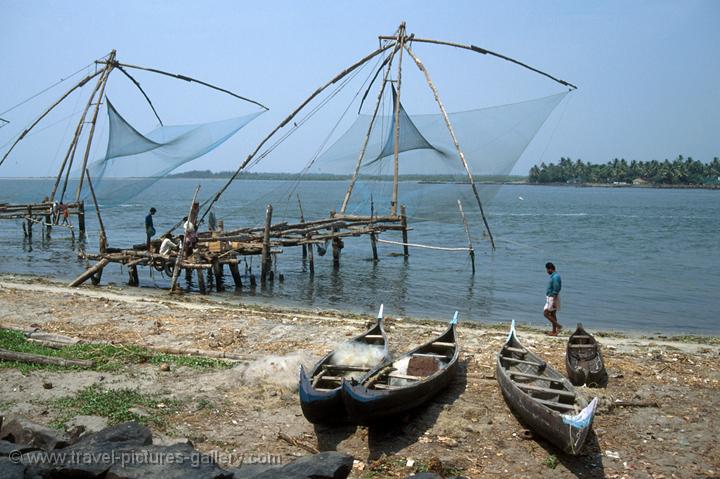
[[647, 71]]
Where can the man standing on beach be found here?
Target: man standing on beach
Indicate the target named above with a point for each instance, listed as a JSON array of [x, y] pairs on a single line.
[[149, 227], [552, 303]]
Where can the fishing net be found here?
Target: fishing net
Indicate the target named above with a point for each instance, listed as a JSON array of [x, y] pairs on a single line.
[[492, 140], [141, 160]]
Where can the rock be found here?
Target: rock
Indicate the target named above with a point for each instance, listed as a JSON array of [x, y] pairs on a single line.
[[138, 411], [121, 435], [252, 471], [163, 440], [21, 430], [47, 385], [324, 465], [425, 475], [181, 461], [6, 448], [164, 367], [11, 470]]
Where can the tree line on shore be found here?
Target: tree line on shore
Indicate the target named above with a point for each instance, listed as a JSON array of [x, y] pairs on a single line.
[[681, 171]]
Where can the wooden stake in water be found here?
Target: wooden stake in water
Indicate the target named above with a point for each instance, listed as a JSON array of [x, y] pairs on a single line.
[[471, 251]]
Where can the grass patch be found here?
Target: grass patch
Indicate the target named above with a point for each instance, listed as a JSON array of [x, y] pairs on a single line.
[[551, 461], [107, 357], [115, 405]]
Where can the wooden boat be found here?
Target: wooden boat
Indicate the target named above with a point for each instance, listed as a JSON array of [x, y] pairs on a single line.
[[583, 360], [320, 390], [542, 398], [403, 384]]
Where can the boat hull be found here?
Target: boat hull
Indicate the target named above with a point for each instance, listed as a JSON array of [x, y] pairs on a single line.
[[321, 407]]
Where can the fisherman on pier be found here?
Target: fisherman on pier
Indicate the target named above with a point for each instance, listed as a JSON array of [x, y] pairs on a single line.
[[150, 228]]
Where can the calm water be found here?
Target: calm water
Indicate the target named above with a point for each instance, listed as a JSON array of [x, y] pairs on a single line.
[[630, 259]]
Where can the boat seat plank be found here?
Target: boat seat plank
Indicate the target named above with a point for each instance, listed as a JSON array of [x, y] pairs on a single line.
[[444, 345], [531, 388], [347, 368], [515, 350], [581, 346], [405, 376], [373, 336], [554, 404], [430, 355], [381, 386], [522, 361], [581, 336], [325, 389], [331, 378], [535, 376]]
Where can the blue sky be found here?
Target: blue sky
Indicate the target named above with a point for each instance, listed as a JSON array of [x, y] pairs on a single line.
[[647, 71]]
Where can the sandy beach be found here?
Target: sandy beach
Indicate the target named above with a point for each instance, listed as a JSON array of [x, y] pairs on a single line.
[[236, 410]]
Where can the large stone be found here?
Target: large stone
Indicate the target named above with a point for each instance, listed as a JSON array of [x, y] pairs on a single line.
[[174, 462], [121, 435], [252, 471], [11, 470], [325, 465], [425, 475], [21, 430], [6, 448], [87, 424]]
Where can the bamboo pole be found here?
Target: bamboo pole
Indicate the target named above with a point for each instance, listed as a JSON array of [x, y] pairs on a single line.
[[292, 115], [70, 155], [45, 113], [93, 122], [6, 355], [471, 250], [266, 261], [366, 140], [485, 52], [396, 149], [430, 83], [89, 272], [403, 223], [302, 221], [416, 245], [181, 248], [103, 236]]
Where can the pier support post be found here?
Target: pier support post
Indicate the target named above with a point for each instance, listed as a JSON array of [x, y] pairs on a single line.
[[337, 245], [81, 219], [201, 281], [133, 279], [29, 222], [373, 244], [235, 271], [403, 223], [217, 270], [266, 260]]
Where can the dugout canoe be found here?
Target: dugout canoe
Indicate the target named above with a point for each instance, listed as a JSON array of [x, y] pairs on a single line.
[[400, 385], [584, 361], [542, 398], [321, 389]]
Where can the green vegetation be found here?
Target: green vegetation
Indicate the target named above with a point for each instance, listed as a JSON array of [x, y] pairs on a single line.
[[551, 461], [107, 357], [115, 405], [681, 171]]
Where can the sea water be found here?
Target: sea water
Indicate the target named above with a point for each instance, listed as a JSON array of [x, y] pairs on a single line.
[[630, 258]]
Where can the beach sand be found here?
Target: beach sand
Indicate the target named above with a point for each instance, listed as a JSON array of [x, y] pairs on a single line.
[[468, 430]]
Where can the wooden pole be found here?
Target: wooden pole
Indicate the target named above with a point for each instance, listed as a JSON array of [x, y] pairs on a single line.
[[181, 248], [201, 281], [336, 245], [471, 250], [302, 221], [396, 153], [45, 113], [292, 115], [217, 270], [266, 261], [403, 223], [29, 222], [235, 271], [361, 156], [81, 219], [484, 52], [103, 237], [70, 155], [6, 355], [454, 139], [133, 279], [311, 256], [108, 68], [89, 272]]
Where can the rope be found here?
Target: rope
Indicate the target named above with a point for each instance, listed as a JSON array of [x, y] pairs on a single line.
[[415, 245], [46, 89]]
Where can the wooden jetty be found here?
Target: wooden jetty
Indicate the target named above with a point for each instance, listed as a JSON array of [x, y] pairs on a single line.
[[215, 249]]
